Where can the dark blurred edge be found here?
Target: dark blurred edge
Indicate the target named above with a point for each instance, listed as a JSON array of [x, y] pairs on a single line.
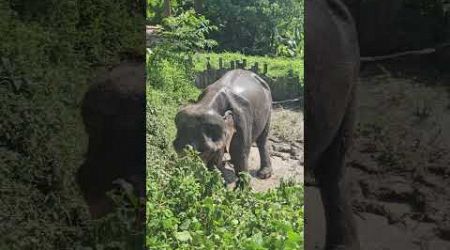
[[52, 53], [397, 41]]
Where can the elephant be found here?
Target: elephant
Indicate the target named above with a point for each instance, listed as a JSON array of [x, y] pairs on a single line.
[[228, 116], [113, 112], [332, 64]]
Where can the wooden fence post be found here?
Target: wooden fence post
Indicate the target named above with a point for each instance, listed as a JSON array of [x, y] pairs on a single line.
[[208, 64], [290, 73], [220, 63]]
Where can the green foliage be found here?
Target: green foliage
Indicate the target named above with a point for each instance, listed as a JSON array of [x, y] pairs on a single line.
[[47, 49], [291, 42], [154, 11], [187, 31], [181, 36], [106, 30], [258, 26], [188, 206], [168, 76], [251, 27]]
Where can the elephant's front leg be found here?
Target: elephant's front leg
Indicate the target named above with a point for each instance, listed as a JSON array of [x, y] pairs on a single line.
[[340, 224], [331, 175], [239, 153]]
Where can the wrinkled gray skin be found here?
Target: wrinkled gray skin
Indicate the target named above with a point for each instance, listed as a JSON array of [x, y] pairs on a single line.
[[229, 115], [332, 65]]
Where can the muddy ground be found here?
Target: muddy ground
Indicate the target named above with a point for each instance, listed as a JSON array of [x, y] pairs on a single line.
[[286, 143], [399, 167]]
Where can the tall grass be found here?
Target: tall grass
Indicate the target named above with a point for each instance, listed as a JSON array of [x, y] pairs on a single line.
[[277, 66]]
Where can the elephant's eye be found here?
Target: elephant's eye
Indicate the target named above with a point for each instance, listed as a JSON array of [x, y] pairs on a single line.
[[213, 132]]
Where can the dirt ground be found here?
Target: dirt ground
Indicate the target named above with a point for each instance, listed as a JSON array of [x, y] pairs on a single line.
[[399, 166], [286, 143]]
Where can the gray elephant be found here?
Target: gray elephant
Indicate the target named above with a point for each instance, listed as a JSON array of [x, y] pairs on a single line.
[[331, 74], [228, 116]]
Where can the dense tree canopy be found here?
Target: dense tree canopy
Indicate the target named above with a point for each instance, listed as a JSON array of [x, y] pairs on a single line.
[[252, 27]]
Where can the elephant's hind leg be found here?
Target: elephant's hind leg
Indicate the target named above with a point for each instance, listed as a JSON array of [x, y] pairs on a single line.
[[265, 170], [331, 177]]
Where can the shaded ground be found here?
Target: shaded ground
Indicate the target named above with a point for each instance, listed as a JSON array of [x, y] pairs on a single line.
[[286, 140], [399, 165]]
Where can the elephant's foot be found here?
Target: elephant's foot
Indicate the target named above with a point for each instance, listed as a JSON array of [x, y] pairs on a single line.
[[265, 172]]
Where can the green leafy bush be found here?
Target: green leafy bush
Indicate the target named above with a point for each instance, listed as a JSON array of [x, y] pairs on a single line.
[[47, 52], [181, 36], [188, 31]]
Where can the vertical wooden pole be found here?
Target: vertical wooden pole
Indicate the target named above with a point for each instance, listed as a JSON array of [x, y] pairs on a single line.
[[167, 11], [198, 6], [208, 64]]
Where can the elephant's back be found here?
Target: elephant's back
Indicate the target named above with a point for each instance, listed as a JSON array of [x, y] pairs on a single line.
[[250, 90], [248, 85]]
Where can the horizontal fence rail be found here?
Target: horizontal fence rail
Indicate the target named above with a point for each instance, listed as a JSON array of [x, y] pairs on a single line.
[[425, 51]]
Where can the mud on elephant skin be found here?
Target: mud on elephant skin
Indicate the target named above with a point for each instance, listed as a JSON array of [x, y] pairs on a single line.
[[113, 112], [332, 66], [228, 116]]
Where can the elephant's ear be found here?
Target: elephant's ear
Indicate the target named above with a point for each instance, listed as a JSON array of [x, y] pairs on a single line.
[[229, 129]]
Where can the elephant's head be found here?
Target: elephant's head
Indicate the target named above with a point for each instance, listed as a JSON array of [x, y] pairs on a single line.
[[206, 131]]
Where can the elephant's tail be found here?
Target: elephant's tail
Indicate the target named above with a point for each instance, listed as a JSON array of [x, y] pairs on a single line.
[[262, 81]]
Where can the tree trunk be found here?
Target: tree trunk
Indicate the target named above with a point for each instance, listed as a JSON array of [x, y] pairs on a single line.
[[198, 6], [167, 11]]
